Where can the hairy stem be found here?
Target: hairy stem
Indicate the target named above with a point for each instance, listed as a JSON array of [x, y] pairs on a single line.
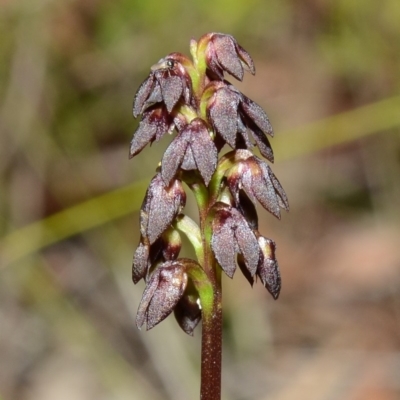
[[211, 345], [211, 300], [211, 350], [208, 286]]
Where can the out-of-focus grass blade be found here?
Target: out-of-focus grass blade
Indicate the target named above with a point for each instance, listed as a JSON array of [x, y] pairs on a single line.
[[97, 211], [71, 221], [338, 129], [70, 324]]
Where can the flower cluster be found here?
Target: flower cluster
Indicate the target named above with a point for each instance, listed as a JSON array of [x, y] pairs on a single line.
[[193, 99]]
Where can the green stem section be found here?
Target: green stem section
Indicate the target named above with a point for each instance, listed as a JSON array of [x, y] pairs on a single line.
[[186, 225]]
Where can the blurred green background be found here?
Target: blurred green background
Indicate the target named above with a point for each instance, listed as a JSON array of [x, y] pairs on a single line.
[[328, 75]]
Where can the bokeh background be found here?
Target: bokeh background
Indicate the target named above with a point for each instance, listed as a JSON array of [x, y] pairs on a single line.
[[328, 75]]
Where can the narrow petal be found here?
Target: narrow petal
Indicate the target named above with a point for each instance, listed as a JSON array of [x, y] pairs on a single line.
[[247, 184], [263, 143], [271, 277], [227, 56], [205, 153], [163, 204], [248, 245], [224, 115], [283, 200], [264, 191], [171, 286], [223, 246], [268, 270], [281, 195], [142, 94], [154, 125], [148, 293], [155, 96], [245, 56], [213, 63], [257, 115], [140, 259], [173, 158], [245, 271], [171, 88], [144, 134]]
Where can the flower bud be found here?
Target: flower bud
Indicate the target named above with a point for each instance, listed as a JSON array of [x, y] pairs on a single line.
[[187, 313], [232, 235], [171, 244], [163, 291], [223, 113], [168, 82], [268, 269], [141, 261], [258, 181], [192, 148], [154, 125], [230, 113], [223, 53], [165, 248], [161, 205]]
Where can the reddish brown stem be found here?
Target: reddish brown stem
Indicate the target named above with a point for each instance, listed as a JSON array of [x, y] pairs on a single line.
[[211, 351]]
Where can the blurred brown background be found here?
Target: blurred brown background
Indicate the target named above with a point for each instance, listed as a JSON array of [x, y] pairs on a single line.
[[328, 75]]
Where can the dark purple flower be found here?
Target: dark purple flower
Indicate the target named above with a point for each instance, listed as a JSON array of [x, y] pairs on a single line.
[[192, 148], [165, 248], [156, 122], [163, 291], [223, 53], [232, 235], [223, 112], [161, 205], [268, 269], [142, 259], [256, 179], [188, 313], [230, 113], [167, 82]]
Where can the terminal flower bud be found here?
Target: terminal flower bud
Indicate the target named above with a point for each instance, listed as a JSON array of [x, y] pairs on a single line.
[[223, 53]]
